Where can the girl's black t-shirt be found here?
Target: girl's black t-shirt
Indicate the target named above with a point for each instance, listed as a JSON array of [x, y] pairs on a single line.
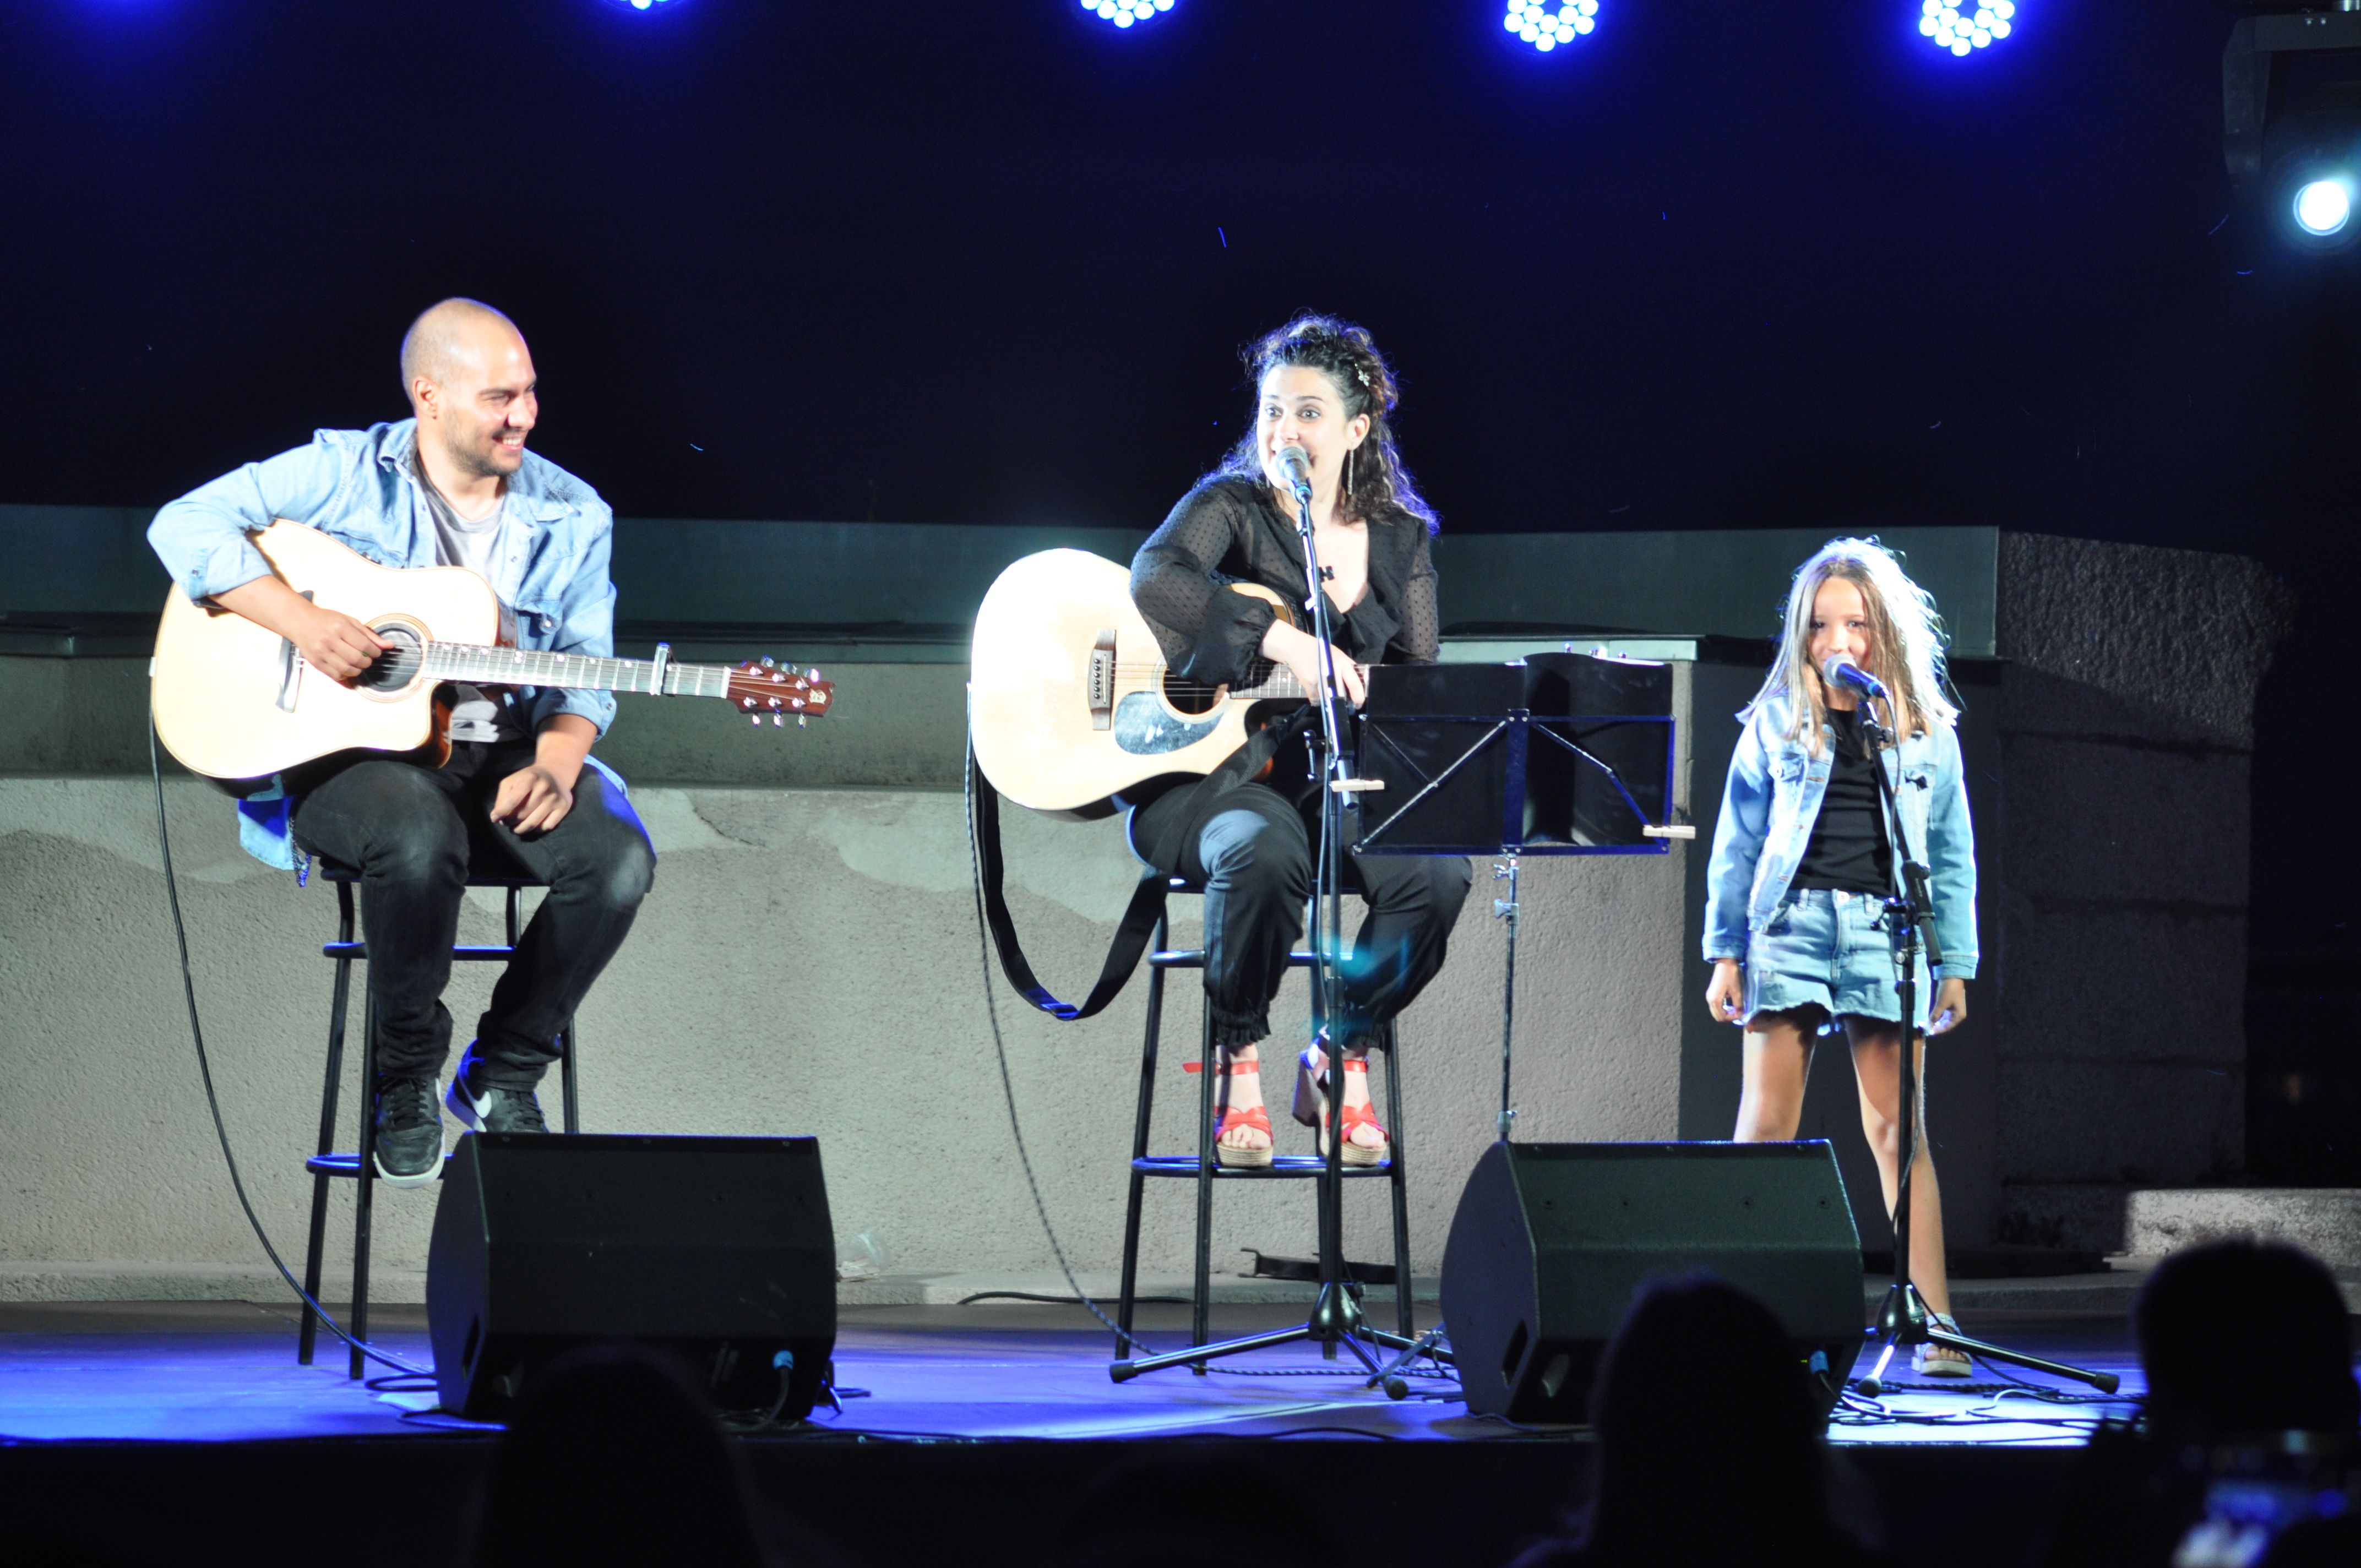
[[1848, 851]]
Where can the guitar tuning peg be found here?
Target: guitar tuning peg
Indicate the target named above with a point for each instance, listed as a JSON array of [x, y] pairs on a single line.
[[778, 721], [811, 674], [756, 719], [801, 723], [766, 662]]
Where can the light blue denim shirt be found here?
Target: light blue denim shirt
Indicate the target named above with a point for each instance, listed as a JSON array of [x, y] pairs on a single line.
[[361, 489], [1774, 797]]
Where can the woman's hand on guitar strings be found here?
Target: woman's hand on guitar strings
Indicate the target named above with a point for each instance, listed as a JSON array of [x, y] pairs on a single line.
[[1300, 652]]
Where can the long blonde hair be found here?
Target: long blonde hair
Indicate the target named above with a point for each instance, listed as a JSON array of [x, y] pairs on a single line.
[[1905, 642]]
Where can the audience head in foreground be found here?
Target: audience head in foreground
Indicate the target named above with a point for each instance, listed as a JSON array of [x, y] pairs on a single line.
[[1708, 1441], [2245, 1336], [614, 1457], [2243, 1452]]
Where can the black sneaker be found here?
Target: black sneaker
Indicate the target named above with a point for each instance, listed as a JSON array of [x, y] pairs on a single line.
[[489, 1107], [408, 1132]]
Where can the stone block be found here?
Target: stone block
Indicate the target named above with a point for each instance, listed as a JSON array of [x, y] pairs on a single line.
[[2100, 819], [2121, 983], [2325, 1222], [2136, 1123], [2179, 638], [2083, 1216]]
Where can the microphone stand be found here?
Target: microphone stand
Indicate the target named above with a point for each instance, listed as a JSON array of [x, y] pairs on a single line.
[[1903, 1318], [1336, 1317]]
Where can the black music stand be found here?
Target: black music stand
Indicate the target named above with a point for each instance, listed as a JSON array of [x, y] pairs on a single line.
[[1556, 754]]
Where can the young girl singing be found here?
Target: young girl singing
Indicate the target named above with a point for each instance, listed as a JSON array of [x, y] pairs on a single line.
[[1796, 924]]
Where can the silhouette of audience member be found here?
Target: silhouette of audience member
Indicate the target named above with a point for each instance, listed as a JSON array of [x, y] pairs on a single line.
[[2238, 1340], [1186, 1513], [614, 1457], [1709, 1444]]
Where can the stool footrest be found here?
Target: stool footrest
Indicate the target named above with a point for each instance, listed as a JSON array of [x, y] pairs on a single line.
[[458, 955], [346, 1165], [1194, 958], [1285, 1166]]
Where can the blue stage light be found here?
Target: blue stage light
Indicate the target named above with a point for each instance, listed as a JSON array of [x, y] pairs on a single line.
[[1964, 28], [1545, 26], [2322, 207], [1125, 13]]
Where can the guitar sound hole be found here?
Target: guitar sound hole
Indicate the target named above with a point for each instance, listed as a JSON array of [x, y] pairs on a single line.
[[397, 665], [1189, 696]]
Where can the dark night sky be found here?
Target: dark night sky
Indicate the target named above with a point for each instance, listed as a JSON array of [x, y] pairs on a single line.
[[1717, 266]]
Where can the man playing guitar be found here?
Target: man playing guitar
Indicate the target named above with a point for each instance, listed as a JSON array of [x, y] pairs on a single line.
[[452, 487]]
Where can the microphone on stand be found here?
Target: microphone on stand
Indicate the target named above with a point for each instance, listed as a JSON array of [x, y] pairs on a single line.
[[1838, 670], [1296, 464]]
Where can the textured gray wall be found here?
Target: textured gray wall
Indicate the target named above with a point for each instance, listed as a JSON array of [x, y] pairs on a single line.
[[806, 963], [2126, 742]]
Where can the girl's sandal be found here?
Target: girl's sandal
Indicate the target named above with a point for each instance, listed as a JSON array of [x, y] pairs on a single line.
[[1311, 1108], [1256, 1119]]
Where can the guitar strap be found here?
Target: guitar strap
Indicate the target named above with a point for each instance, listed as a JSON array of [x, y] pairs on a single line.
[[1146, 906]]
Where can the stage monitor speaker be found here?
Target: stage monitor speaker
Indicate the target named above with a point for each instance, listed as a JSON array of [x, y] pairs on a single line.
[[1552, 1241], [716, 1251]]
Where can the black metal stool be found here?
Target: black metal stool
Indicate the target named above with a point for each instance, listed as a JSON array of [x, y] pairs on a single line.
[[1205, 1169], [326, 1165]]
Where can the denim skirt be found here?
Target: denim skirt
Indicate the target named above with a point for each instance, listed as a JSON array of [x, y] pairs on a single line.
[[1828, 950]]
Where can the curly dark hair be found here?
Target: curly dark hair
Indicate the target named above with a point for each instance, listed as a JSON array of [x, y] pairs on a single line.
[[1381, 489]]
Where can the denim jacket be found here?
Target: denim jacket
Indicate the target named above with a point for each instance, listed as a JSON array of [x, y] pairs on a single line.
[[360, 488], [1774, 797]]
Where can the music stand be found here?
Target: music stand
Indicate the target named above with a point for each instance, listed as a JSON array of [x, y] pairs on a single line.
[[1553, 754]]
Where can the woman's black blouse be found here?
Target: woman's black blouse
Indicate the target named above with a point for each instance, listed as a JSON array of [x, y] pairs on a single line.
[[1229, 531]]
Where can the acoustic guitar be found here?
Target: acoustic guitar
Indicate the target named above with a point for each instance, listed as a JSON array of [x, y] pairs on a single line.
[[236, 702], [1069, 701]]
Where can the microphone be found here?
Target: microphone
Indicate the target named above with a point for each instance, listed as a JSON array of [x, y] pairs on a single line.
[[1296, 464], [1838, 670]]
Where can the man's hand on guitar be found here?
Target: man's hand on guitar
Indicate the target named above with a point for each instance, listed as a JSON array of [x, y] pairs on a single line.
[[532, 800], [337, 645], [1300, 652], [330, 641]]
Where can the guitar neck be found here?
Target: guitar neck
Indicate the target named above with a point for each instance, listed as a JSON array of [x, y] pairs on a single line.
[[525, 667]]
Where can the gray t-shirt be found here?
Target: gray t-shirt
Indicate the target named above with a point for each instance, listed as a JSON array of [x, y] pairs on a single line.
[[475, 714]]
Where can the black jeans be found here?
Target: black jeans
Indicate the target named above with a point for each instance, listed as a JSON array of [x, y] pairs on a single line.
[[1251, 851], [412, 832]]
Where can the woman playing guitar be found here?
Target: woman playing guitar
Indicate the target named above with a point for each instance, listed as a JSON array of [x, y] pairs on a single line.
[[1321, 385]]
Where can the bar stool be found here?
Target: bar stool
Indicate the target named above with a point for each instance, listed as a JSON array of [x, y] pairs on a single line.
[[326, 1165], [1205, 1169]]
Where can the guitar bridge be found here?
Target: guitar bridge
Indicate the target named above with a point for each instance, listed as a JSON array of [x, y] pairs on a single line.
[[1101, 680]]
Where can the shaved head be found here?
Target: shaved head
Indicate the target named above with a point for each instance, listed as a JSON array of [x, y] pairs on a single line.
[[471, 381], [448, 334]]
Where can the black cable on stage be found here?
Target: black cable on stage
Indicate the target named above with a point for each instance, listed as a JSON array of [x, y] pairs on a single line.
[[213, 1101], [1000, 1051]]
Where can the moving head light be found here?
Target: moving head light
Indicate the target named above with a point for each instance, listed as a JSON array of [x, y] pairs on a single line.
[[2292, 119]]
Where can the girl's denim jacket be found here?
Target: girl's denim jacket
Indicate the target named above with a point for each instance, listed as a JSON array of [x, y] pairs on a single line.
[[1774, 797]]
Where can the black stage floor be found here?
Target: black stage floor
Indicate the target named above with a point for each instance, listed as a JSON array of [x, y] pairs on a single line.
[[185, 1431]]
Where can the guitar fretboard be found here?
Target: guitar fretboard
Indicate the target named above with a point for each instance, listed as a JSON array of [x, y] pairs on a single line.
[[525, 667]]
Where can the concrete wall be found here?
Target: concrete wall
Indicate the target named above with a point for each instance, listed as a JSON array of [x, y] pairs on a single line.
[[2126, 742], [807, 963]]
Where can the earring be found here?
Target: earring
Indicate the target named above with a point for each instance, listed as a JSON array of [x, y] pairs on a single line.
[[1345, 483]]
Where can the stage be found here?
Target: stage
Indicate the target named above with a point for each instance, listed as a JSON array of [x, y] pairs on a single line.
[[160, 1428]]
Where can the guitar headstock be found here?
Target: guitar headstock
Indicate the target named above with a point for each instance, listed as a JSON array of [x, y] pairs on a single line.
[[765, 687]]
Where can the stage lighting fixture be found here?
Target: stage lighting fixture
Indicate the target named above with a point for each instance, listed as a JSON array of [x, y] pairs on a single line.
[[2322, 207], [2291, 121], [1545, 27], [1964, 29], [1125, 13]]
